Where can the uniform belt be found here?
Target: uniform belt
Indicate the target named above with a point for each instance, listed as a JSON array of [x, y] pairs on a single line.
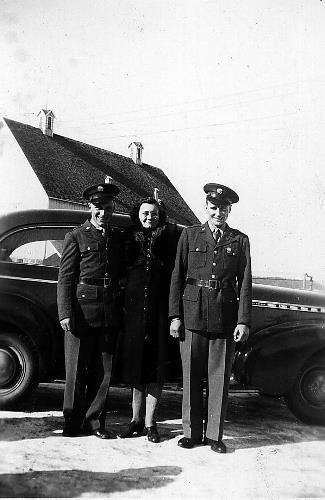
[[212, 284], [105, 282]]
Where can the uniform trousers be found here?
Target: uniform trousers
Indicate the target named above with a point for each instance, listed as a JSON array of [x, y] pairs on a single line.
[[203, 359], [88, 369]]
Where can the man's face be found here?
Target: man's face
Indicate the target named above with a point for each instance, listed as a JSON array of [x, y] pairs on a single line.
[[218, 214], [149, 215], [101, 212]]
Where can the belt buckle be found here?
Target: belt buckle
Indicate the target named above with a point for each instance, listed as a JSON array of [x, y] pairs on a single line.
[[213, 284], [107, 282]]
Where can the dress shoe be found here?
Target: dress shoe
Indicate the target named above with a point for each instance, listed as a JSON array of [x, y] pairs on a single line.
[[102, 434], [72, 432], [218, 446], [188, 443], [134, 429], [152, 434]]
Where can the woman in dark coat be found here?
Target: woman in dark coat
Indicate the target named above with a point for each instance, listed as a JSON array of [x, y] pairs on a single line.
[[150, 250]]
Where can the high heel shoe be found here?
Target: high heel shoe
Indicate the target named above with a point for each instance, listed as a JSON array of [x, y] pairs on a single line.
[[134, 429], [152, 434]]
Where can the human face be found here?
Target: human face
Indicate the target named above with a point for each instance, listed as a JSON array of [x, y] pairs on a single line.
[[149, 215], [101, 212], [218, 214]]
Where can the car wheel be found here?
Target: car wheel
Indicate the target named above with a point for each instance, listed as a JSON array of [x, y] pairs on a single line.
[[306, 399], [18, 368]]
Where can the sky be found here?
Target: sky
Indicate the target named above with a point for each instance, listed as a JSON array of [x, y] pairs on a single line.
[[220, 91]]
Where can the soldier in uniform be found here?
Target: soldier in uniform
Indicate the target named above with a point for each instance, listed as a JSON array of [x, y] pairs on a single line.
[[210, 310], [88, 308]]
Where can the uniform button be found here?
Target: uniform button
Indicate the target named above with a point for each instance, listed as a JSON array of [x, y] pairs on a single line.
[[106, 274], [215, 251], [88, 248], [213, 276], [82, 295], [197, 249], [214, 264]]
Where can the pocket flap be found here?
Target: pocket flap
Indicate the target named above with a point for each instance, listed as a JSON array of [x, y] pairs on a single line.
[[191, 293], [89, 293], [201, 247], [89, 247]]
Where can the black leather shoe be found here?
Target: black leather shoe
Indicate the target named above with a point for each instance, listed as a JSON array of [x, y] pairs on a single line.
[[134, 429], [189, 442], [72, 432], [102, 434], [152, 434], [218, 446]]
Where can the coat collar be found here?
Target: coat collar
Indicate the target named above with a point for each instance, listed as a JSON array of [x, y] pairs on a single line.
[[88, 227], [228, 236]]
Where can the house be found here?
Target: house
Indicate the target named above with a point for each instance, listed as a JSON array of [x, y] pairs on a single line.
[[48, 170]]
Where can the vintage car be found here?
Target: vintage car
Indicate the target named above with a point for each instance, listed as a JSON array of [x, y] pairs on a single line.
[[284, 356]]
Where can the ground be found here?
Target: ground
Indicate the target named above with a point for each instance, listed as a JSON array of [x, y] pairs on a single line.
[[271, 454]]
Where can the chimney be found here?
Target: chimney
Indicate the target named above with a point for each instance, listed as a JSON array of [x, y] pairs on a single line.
[[136, 152], [46, 121]]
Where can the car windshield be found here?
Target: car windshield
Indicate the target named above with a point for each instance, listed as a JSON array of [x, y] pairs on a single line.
[[40, 245]]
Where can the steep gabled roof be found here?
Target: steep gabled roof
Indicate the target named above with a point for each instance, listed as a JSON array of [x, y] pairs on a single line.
[[65, 167]]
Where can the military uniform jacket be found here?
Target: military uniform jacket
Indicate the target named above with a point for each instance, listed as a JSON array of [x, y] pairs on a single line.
[[227, 264], [87, 254]]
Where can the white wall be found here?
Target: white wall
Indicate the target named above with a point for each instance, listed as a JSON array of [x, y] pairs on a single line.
[[19, 185]]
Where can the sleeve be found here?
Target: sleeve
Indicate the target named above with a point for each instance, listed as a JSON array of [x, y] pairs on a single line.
[[68, 276], [244, 278], [178, 278]]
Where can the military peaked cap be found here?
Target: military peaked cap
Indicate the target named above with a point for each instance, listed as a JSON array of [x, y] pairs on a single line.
[[101, 192], [219, 194]]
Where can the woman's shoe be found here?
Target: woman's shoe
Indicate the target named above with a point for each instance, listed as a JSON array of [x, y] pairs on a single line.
[[153, 434], [134, 429]]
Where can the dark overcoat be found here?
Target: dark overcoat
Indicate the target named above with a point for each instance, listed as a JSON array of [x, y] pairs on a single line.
[[87, 254], [150, 257], [218, 309]]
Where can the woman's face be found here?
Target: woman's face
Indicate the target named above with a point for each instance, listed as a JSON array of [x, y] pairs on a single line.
[[149, 215]]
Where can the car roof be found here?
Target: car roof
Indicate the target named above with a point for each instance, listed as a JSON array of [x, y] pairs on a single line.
[[23, 218]]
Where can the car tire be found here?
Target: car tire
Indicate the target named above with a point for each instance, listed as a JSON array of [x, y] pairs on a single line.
[[306, 399], [18, 368]]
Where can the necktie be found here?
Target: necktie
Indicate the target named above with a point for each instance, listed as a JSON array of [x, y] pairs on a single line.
[[216, 235]]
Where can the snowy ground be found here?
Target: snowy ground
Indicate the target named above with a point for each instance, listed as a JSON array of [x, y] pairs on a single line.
[[271, 454]]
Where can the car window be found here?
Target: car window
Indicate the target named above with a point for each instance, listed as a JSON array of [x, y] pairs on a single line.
[[34, 245]]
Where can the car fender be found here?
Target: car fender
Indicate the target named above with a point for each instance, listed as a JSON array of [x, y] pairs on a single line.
[[25, 315], [272, 357]]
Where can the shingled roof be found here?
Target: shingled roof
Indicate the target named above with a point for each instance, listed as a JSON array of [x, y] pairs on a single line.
[[65, 167]]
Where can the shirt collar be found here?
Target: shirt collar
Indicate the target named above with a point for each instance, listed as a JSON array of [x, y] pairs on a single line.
[[214, 229], [96, 226]]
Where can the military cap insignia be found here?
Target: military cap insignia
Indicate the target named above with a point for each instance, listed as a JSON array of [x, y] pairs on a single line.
[[218, 193], [100, 192]]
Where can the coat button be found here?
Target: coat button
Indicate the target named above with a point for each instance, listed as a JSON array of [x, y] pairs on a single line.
[[214, 264], [197, 249]]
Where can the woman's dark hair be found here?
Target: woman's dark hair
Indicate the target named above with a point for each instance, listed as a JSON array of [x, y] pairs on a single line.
[[134, 212]]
